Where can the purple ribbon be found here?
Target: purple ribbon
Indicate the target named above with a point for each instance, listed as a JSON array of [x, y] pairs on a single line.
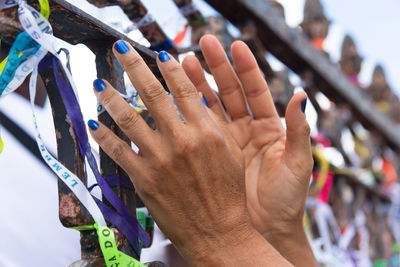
[[115, 180], [126, 222]]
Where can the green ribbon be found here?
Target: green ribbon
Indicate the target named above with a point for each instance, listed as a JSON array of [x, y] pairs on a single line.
[[112, 256]]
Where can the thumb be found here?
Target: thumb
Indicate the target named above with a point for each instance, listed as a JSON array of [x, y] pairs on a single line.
[[298, 146]]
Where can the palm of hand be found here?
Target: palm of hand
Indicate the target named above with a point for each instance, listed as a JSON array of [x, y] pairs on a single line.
[[278, 162], [273, 176]]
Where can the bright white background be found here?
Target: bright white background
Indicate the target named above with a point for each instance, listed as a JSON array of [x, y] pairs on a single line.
[[31, 234]]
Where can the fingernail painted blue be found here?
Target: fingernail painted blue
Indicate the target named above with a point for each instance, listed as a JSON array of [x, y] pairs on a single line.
[[163, 56], [121, 47], [93, 125], [99, 85], [205, 101], [303, 105]]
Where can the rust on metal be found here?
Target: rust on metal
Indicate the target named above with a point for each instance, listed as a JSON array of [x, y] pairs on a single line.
[[75, 26]]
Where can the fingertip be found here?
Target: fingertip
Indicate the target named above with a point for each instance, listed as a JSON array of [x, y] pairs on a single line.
[[300, 95], [190, 63], [93, 125], [302, 98], [99, 85], [163, 56], [121, 47], [187, 60], [96, 130], [193, 69], [295, 112], [207, 39], [238, 45], [243, 57], [209, 43], [298, 102]]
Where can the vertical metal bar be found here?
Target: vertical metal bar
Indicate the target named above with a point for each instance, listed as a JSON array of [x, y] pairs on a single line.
[[108, 68], [71, 212]]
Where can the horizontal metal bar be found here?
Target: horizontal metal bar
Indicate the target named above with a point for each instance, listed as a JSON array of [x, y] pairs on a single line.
[[292, 48]]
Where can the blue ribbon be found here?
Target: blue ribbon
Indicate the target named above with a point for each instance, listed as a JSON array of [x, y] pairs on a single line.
[[24, 45], [164, 46]]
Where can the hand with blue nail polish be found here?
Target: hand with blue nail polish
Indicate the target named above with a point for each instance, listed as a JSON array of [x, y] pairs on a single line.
[[278, 161], [190, 172]]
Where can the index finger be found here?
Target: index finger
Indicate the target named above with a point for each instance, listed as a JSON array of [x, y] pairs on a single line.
[[148, 86], [184, 92]]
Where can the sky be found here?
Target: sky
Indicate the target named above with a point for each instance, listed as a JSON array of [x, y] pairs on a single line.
[[372, 24]]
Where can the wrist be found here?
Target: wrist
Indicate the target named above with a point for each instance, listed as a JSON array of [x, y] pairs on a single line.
[[293, 244], [286, 233], [243, 247], [214, 250]]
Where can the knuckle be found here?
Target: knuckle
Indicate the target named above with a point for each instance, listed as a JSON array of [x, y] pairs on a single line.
[[161, 163], [212, 100], [199, 83], [177, 134], [230, 89], [148, 189], [127, 119], [132, 62], [153, 91], [186, 147], [101, 136], [174, 70], [184, 89], [107, 98], [211, 136], [117, 151]]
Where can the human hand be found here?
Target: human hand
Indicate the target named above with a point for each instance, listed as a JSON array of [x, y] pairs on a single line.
[[278, 162], [190, 174]]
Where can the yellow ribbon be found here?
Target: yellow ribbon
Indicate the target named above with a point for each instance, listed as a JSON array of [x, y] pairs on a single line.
[[307, 224], [324, 169], [1, 145], [44, 8]]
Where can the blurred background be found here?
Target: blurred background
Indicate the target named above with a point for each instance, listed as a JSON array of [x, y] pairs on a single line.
[[342, 53]]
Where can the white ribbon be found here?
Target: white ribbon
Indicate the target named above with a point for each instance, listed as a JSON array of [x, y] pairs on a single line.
[[46, 40], [27, 66]]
